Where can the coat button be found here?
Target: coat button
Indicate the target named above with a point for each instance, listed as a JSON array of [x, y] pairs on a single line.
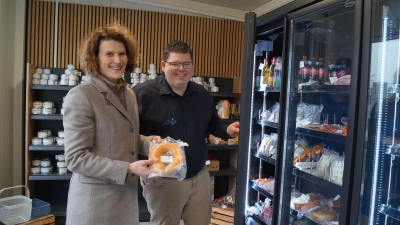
[[133, 152], [131, 130]]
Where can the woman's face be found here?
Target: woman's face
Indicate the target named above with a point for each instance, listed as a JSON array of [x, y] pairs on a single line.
[[112, 59]]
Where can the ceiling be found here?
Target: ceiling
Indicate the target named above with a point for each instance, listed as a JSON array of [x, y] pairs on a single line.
[[246, 5]]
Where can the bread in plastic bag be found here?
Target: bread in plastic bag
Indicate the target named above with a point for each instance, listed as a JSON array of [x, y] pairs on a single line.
[[171, 159]]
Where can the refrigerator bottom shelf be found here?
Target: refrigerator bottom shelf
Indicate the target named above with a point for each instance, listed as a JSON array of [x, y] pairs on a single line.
[[390, 212]]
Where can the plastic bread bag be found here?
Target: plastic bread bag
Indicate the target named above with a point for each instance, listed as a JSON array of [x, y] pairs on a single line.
[[171, 159], [324, 163], [307, 114]]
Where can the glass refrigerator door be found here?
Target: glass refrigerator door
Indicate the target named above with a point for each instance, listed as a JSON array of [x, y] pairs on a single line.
[[380, 185], [320, 51]]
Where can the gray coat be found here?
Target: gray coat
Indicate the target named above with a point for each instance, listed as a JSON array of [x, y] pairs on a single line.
[[101, 138]]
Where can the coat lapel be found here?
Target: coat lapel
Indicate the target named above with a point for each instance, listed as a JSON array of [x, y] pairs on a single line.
[[111, 98]]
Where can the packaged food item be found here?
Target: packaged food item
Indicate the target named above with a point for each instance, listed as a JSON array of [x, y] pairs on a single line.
[[337, 170], [324, 164], [323, 214], [171, 159]]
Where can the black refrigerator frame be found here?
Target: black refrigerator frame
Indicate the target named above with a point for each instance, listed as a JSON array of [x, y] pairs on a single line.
[[278, 19]]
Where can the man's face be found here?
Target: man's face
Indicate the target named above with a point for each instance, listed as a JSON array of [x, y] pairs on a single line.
[[178, 76]]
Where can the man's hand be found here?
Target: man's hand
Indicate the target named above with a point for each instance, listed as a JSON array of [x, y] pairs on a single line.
[[233, 129]]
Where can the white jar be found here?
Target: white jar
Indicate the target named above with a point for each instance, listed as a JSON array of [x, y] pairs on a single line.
[[36, 141], [61, 164], [60, 141], [62, 170], [42, 134], [35, 169], [47, 111], [60, 157], [45, 170], [36, 161], [38, 104], [36, 111], [45, 162], [48, 141]]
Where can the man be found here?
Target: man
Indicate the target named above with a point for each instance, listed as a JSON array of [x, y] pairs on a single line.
[[171, 105]]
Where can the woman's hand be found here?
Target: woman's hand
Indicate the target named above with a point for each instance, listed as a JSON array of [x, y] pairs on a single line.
[[157, 139], [141, 167]]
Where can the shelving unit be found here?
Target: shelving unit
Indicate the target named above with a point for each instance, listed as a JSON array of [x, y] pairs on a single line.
[[52, 187], [226, 154]]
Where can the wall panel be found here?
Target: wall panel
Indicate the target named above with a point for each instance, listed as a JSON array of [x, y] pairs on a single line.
[[217, 44]]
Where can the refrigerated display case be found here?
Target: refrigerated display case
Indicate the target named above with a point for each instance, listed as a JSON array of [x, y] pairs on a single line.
[[260, 100], [319, 98], [376, 193]]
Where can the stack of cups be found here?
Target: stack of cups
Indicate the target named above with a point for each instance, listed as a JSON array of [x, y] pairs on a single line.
[[143, 78], [62, 106], [198, 80], [84, 78], [53, 79], [152, 71], [45, 165], [48, 108], [35, 166], [61, 166], [43, 138], [135, 78], [44, 77], [37, 107], [213, 86], [60, 138]]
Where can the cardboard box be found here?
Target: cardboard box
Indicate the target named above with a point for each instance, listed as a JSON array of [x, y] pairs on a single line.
[[214, 165]]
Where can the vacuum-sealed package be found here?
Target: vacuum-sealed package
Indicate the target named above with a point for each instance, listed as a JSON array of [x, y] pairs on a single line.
[[171, 159]]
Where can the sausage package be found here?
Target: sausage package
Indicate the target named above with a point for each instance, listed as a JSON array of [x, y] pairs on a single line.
[[171, 159]]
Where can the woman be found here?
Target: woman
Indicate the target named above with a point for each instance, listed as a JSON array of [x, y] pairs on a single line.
[[102, 138]]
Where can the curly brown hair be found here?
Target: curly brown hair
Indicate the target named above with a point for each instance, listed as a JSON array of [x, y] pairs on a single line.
[[89, 48]]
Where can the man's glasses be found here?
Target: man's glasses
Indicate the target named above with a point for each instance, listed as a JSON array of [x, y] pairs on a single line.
[[177, 65]]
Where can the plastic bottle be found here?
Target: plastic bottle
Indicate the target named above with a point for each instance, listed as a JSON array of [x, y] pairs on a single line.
[[271, 72], [266, 73], [278, 72], [259, 74]]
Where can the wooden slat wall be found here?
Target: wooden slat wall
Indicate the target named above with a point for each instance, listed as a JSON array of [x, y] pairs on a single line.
[[217, 44]]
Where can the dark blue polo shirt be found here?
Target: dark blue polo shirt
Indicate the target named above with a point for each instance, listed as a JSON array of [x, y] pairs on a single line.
[[190, 118]]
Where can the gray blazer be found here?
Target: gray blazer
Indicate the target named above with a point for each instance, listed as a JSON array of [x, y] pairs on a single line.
[[101, 138]]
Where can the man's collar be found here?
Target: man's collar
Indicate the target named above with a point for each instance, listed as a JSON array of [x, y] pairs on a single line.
[[165, 88]]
